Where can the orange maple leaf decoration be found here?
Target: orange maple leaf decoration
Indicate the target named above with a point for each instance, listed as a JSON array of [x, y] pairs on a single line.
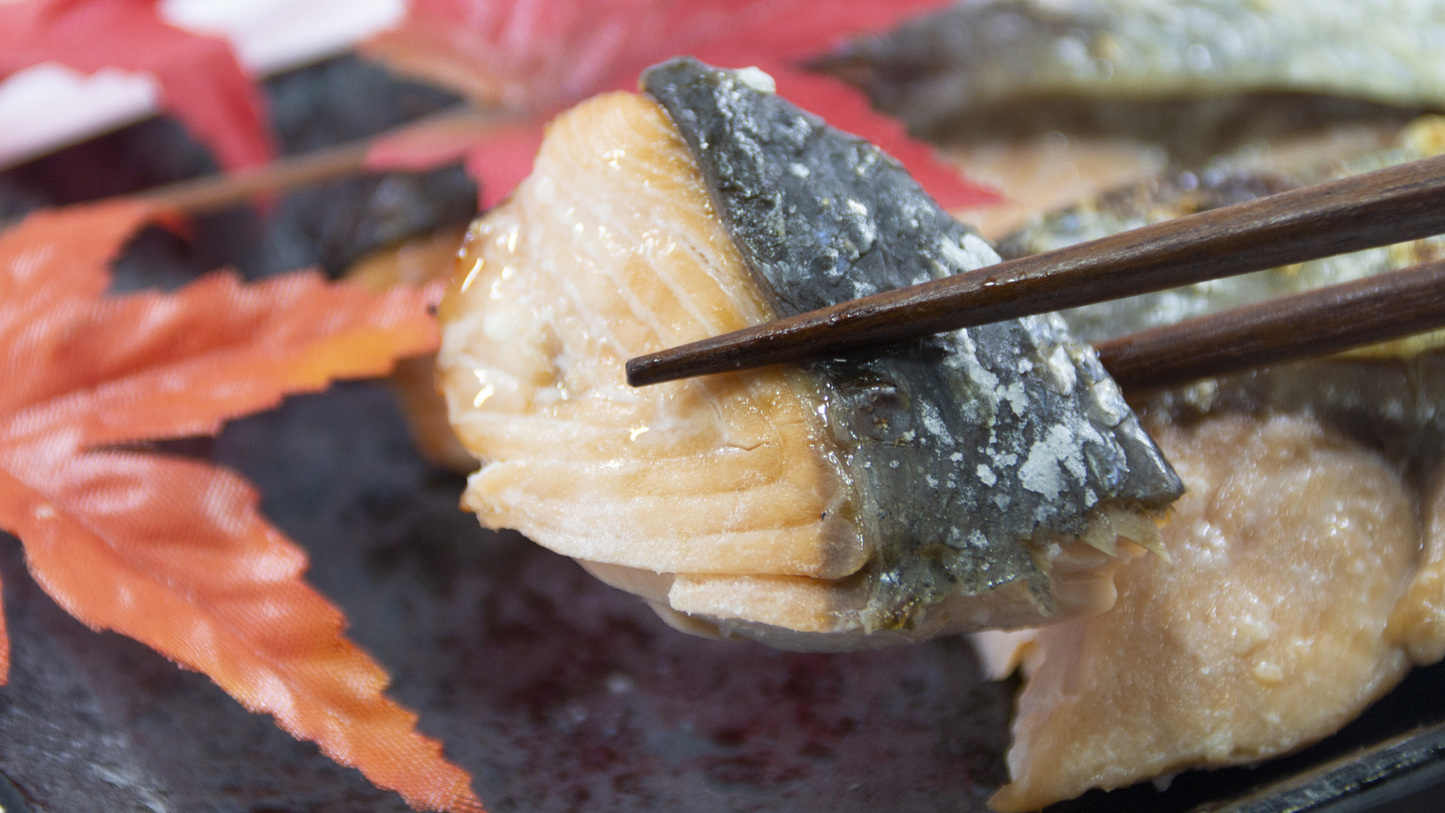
[[174, 552]]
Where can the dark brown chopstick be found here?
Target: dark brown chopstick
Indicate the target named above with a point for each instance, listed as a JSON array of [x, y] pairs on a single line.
[[1392, 205], [1314, 323]]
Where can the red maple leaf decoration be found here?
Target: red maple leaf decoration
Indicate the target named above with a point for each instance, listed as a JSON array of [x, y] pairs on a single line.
[[201, 81], [532, 58], [174, 552]]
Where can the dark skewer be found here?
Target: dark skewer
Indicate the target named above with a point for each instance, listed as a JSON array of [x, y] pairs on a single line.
[[1314, 323], [215, 192], [1392, 205]]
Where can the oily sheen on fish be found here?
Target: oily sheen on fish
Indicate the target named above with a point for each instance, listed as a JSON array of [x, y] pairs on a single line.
[[983, 478]]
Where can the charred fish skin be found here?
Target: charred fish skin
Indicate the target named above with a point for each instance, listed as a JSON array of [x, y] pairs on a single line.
[[969, 450], [1163, 68]]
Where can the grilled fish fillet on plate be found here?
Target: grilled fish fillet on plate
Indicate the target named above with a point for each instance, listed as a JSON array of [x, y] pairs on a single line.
[[1296, 594], [1053, 101], [990, 477], [1266, 631], [1194, 75]]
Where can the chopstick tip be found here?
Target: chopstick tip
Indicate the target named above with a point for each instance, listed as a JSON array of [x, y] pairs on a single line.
[[642, 371]]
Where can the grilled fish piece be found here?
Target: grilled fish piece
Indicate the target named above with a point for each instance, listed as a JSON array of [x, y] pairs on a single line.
[[1227, 182], [1296, 595], [1195, 74], [948, 484], [1275, 623]]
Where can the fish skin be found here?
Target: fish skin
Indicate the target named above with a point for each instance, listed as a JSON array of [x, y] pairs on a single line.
[[970, 450], [1175, 70], [1186, 192]]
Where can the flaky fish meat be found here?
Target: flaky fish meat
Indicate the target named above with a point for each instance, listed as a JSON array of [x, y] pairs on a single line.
[[989, 477], [1278, 619]]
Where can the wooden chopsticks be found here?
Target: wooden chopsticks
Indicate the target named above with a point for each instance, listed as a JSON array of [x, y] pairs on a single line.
[[1401, 203], [1314, 323]]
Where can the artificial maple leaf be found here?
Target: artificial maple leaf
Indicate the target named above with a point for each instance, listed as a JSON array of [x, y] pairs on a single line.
[[201, 81], [173, 552], [532, 58]]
